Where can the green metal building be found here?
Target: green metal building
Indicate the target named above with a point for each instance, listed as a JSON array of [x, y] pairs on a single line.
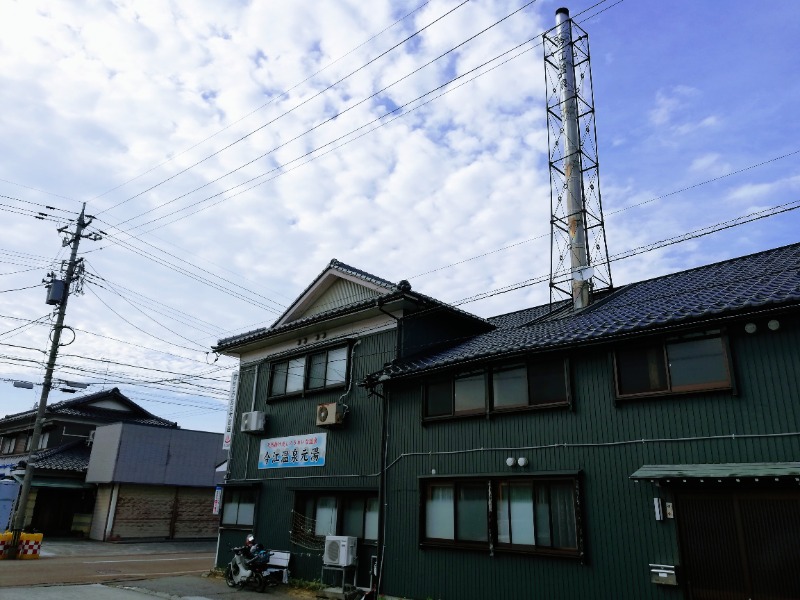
[[646, 446], [305, 439]]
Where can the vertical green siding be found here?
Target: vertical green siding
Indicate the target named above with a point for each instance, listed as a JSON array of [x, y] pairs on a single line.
[[606, 442], [353, 451]]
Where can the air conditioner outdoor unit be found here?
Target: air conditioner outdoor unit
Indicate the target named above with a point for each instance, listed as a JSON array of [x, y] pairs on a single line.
[[340, 550], [330, 414], [253, 422]]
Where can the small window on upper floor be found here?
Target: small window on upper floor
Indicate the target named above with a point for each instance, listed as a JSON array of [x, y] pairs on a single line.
[[677, 365], [315, 371]]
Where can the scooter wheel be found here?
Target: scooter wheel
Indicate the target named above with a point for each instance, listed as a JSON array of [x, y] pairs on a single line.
[[259, 582], [229, 577]]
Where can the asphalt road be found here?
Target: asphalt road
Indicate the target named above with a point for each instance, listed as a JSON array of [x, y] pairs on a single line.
[[52, 570], [87, 570]]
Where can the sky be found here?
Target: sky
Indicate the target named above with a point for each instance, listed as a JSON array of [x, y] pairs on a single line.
[[228, 151]]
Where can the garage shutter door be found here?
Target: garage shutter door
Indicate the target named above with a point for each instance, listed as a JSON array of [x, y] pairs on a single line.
[[143, 511]]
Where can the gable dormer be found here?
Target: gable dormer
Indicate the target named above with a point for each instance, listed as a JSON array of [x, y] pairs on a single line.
[[338, 286]]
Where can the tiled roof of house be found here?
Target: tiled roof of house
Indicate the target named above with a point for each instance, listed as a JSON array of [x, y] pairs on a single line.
[[759, 281], [72, 456], [394, 292], [81, 408]]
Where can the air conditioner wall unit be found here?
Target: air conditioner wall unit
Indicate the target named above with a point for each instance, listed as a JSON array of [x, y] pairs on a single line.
[[340, 550], [330, 414], [253, 422]]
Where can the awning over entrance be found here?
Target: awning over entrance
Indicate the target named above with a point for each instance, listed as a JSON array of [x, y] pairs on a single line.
[[718, 471]]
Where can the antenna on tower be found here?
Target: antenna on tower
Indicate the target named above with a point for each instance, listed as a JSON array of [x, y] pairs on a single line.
[[579, 264]]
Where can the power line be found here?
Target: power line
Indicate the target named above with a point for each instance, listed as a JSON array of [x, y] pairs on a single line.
[[264, 105], [304, 102]]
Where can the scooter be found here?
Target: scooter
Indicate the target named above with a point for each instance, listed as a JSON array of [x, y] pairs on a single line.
[[250, 567]]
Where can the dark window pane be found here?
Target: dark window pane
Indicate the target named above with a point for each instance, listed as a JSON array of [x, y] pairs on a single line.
[[510, 387], [472, 513], [326, 516], [542, 516], [562, 511], [337, 366], [238, 507], [353, 518], [295, 375], [439, 399], [316, 371], [277, 385], [371, 519], [641, 370], [439, 512], [548, 382], [470, 393], [697, 364]]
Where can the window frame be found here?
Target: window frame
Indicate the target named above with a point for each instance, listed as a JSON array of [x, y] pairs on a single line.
[[661, 346], [229, 490], [305, 389], [489, 407], [342, 498], [493, 483]]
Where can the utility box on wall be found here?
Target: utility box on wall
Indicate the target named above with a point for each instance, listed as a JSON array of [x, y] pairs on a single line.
[[663, 574], [253, 422]]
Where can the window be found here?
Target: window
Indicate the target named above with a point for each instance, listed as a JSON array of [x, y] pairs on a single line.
[[538, 384], [317, 371], [674, 366], [7, 445], [527, 514], [340, 513], [238, 507]]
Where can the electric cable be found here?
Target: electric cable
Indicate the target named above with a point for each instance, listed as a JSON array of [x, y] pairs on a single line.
[[304, 102], [264, 105]]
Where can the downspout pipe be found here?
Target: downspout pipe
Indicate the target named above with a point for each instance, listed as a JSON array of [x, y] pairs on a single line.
[[381, 481]]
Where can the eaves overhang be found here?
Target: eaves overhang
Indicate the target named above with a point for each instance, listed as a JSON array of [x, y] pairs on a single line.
[[431, 365], [717, 471], [373, 307]]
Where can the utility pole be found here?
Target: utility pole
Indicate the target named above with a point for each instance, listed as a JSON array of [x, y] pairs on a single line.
[[73, 241]]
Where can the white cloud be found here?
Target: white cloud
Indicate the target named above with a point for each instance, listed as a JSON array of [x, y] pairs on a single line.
[[95, 95]]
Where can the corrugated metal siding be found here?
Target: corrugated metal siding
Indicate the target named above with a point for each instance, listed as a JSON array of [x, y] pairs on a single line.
[[621, 534], [340, 293], [353, 451]]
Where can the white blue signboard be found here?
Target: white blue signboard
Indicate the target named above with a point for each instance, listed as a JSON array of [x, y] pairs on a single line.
[[294, 451]]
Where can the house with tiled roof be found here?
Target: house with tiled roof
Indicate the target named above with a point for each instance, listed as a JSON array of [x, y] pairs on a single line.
[[108, 469], [61, 501], [645, 446], [305, 439]]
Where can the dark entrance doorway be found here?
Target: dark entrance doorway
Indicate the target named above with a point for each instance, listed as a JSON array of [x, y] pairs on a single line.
[[55, 509], [740, 545]]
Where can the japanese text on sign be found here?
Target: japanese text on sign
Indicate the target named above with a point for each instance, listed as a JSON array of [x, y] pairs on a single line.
[[294, 451]]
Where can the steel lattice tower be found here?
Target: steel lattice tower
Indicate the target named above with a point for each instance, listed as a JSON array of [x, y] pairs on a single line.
[[579, 263]]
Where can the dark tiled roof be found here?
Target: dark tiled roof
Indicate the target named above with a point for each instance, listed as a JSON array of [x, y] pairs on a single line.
[[335, 264], [395, 292], [737, 286], [79, 407], [72, 456], [249, 336]]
